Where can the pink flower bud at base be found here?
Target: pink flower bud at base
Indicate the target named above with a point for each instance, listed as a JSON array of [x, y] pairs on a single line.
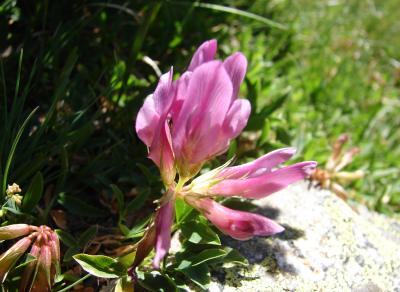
[[14, 231], [11, 256]]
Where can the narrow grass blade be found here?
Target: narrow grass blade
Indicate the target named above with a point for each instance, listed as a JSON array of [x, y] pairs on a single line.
[[232, 10], [13, 148]]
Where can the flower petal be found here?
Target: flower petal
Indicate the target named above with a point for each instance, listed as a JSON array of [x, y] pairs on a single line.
[[259, 166], [164, 220], [236, 66], [203, 113], [206, 52], [265, 184], [164, 93], [162, 154], [147, 121], [237, 118], [154, 108], [238, 224], [181, 86]]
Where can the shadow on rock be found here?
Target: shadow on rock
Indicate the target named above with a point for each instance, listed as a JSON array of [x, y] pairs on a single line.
[[269, 251]]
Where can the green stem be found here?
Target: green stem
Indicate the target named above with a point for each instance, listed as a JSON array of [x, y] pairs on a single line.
[[75, 283], [181, 183]]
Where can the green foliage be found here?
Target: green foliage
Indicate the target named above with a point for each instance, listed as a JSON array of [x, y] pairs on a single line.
[[155, 281], [200, 233], [34, 193], [100, 266]]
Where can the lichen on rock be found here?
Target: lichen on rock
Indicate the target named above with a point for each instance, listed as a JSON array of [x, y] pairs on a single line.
[[327, 246]]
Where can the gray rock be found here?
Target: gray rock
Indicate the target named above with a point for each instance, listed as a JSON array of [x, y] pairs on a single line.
[[327, 246]]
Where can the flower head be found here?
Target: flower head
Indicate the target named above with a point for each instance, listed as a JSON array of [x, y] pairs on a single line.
[[40, 273], [13, 193], [181, 118], [191, 120]]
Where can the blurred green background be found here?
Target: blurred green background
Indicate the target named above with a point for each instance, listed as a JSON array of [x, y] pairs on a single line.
[[317, 69]]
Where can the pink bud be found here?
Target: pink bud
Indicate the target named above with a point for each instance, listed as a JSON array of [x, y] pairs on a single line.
[[44, 262], [54, 244], [164, 220], [42, 281], [11, 256], [14, 231], [144, 246], [26, 278], [238, 224]]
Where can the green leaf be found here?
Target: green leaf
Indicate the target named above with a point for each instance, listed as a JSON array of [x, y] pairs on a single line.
[[199, 233], [79, 207], [66, 238], [138, 229], [70, 252], [156, 282], [124, 285], [234, 257], [13, 148], [34, 193], [200, 275], [256, 121], [243, 13], [127, 259], [13, 210], [137, 202], [204, 256], [100, 265], [147, 173], [119, 196], [87, 236], [182, 210]]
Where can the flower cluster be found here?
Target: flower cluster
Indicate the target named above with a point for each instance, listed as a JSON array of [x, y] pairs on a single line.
[[39, 274], [13, 192], [189, 121]]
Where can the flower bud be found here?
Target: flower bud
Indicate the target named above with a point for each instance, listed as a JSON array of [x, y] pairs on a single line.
[[14, 231], [11, 256], [54, 244], [26, 278], [41, 283], [13, 189]]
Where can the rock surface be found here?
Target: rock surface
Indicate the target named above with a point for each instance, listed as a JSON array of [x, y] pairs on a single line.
[[327, 246]]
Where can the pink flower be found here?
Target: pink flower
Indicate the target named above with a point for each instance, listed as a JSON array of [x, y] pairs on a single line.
[[190, 120], [178, 121], [253, 180], [238, 224], [256, 179]]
